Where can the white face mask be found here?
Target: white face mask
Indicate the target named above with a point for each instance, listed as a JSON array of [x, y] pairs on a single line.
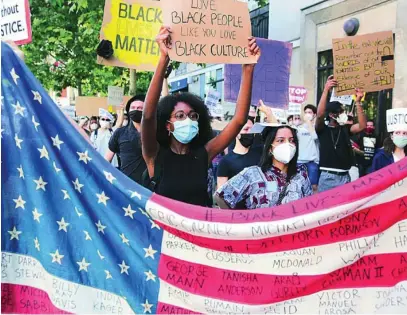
[[125, 123], [104, 124], [284, 153], [308, 117], [342, 119], [94, 126]]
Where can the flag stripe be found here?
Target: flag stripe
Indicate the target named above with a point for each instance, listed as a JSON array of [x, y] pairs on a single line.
[[306, 261], [370, 271], [365, 187], [351, 300], [366, 222]]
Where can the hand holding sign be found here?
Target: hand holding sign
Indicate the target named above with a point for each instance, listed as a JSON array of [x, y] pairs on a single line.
[[360, 94], [330, 83]]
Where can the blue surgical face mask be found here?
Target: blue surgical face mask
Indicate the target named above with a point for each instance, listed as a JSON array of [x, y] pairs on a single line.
[[185, 130]]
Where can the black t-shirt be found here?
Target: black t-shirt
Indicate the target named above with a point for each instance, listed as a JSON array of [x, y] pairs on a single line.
[[233, 163], [126, 142], [335, 149], [368, 144]]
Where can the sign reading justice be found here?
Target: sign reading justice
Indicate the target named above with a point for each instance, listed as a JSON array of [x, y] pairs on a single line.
[[209, 31], [365, 61]]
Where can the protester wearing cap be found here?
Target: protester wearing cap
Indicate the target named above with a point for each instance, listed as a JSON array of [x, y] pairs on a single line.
[[309, 145], [126, 141], [336, 156], [395, 147], [277, 180]]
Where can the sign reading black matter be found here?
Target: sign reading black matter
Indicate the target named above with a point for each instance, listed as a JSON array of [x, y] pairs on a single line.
[[209, 31]]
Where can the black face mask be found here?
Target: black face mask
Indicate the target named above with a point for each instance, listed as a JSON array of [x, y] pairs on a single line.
[[247, 140], [136, 116]]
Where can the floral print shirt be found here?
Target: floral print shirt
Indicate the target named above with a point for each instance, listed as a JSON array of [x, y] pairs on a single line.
[[252, 188]]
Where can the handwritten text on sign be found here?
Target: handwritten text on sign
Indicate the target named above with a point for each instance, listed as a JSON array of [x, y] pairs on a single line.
[[131, 26], [365, 61], [209, 31]]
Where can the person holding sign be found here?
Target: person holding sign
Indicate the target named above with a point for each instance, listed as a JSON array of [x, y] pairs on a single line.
[[336, 156], [176, 139]]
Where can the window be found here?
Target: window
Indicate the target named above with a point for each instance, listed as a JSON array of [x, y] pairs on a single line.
[[325, 69]]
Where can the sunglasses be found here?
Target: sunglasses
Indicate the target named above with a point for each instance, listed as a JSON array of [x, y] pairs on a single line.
[[194, 116], [105, 119]]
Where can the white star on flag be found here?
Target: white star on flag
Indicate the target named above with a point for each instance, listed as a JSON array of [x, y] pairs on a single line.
[[14, 76], [44, 153], [66, 195], [124, 239], [124, 268], [37, 244], [100, 227], [40, 184], [108, 275], [56, 142], [37, 96], [102, 198], [36, 124], [87, 236], [83, 265], [18, 141], [150, 276], [135, 194], [19, 110], [14, 234], [63, 225], [100, 255], [83, 156], [110, 178], [56, 257], [36, 215], [147, 307], [78, 213], [154, 225], [149, 252], [78, 185], [57, 170], [19, 202], [20, 170], [129, 212]]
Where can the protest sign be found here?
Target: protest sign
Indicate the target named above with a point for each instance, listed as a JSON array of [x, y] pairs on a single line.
[[212, 102], [396, 119], [294, 109], [115, 95], [279, 114], [344, 99], [298, 94], [131, 26], [271, 75], [16, 21], [365, 61], [210, 31], [89, 105]]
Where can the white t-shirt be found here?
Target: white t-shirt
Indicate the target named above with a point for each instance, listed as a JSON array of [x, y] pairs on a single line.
[[100, 142]]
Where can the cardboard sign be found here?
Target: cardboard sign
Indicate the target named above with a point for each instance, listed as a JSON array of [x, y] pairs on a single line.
[[131, 26], [115, 95], [89, 105], [212, 102], [209, 31], [298, 94], [16, 21], [365, 61], [271, 75], [344, 99], [396, 119]]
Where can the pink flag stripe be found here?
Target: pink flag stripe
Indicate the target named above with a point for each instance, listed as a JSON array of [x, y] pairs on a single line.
[[365, 187], [22, 299], [384, 270], [364, 223], [164, 308]]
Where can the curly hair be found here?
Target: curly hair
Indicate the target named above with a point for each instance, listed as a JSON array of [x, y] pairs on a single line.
[[165, 108], [266, 160]]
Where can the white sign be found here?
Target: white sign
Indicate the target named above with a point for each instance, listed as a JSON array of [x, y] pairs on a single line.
[[115, 95], [344, 99], [294, 109], [16, 21], [212, 102], [280, 114], [69, 110], [396, 119]]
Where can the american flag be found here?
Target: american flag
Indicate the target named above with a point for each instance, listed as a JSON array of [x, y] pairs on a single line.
[[80, 237]]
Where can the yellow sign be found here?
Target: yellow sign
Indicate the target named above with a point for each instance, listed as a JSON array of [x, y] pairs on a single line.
[[131, 26]]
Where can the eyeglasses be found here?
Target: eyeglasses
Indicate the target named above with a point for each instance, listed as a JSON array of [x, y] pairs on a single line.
[[194, 116], [105, 119]]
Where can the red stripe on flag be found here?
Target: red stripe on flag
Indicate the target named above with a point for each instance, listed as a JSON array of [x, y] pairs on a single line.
[[364, 223], [163, 308], [384, 270], [22, 299], [364, 187]]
